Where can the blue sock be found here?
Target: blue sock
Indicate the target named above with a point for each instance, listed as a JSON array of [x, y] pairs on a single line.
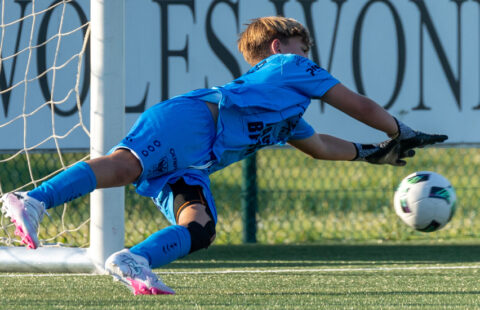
[[164, 246], [74, 182]]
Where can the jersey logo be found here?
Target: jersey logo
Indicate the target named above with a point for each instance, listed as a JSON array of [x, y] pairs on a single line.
[[312, 69], [270, 133]]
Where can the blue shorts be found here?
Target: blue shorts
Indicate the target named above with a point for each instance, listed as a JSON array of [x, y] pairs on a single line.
[[172, 139]]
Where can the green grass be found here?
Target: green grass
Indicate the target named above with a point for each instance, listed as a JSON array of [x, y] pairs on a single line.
[[366, 276]]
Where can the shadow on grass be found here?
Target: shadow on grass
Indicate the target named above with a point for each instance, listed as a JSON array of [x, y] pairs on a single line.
[[257, 256]]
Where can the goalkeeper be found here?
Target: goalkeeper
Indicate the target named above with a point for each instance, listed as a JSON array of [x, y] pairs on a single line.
[[175, 145]]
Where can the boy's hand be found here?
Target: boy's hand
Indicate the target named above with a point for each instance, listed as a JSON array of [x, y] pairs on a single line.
[[387, 152], [409, 138]]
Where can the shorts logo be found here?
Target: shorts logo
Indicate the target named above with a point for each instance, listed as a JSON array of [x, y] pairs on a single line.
[[151, 148], [174, 158], [129, 138], [163, 165]]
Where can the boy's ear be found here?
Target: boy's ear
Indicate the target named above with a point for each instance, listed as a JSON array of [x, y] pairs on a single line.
[[275, 47]]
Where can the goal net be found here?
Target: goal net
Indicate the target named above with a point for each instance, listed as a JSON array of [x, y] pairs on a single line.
[[46, 86]]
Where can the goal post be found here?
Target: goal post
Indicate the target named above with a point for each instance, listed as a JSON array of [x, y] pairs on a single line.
[[107, 113], [107, 118]]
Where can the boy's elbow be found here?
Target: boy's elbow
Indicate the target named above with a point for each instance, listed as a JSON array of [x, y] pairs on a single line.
[[317, 151], [317, 156]]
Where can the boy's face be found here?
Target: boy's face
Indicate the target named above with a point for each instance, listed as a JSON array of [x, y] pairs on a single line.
[[294, 45]]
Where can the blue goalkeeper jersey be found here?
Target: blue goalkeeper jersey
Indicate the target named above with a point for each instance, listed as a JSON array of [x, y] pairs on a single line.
[[264, 106]]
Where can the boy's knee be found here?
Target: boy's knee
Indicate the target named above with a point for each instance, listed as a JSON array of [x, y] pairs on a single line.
[[192, 211], [201, 236], [199, 221]]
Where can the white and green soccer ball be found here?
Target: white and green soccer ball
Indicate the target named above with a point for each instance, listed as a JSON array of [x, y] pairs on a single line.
[[425, 201]]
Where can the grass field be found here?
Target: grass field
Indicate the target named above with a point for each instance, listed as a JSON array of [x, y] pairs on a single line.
[[368, 276], [354, 253]]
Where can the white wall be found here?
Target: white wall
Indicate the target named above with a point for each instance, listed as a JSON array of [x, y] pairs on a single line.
[[206, 31]]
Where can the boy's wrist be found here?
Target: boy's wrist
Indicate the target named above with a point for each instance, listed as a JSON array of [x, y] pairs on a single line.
[[387, 152], [403, 131], [396, 133], [363, 150]]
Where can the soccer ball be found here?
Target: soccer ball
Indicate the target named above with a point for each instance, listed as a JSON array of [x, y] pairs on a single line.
[[425, 200]]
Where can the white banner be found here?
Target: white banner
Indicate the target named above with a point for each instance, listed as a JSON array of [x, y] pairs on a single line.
[[420, 59]]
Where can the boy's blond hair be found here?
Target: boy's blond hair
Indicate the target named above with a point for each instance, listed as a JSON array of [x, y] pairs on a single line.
[[254, 42]]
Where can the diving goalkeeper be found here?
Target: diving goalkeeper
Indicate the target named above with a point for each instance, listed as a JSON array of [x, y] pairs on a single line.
[[175, 145]]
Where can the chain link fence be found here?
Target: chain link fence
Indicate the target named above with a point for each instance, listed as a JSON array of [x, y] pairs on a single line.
[[298, 200]]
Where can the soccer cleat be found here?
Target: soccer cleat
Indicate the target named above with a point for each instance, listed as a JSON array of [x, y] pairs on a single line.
[[26, 213], [134, 272]]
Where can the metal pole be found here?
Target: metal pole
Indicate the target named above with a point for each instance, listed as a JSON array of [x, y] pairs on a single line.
[[249, 199]]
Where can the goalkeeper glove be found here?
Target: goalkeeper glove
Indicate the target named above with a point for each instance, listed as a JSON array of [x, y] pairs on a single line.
[[409, 138], [387, 152]]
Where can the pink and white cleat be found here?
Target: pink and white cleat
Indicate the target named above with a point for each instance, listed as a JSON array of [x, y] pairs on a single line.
[[134, 272], [26, 213]]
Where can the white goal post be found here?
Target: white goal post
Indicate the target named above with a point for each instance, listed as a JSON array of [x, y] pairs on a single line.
[[107, 118], [107, 112]]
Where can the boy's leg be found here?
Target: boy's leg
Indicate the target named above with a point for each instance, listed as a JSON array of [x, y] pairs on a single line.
[[195, 230], [26, 209], [117, 169]]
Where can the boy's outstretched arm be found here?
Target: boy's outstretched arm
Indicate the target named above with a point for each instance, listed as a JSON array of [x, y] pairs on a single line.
[[361, 108], [370, 113], [321, 146]]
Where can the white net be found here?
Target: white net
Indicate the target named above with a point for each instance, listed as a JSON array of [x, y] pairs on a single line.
[[44, 80]]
